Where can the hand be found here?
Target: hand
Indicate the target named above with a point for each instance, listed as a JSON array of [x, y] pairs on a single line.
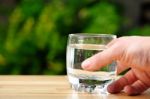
[[129, 52]]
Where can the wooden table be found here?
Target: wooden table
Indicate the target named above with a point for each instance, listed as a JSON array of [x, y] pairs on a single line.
[[49, 87]]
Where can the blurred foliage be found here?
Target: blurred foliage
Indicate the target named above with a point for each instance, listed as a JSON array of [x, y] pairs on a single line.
[[104, 18], [143, 31], [36, 36]]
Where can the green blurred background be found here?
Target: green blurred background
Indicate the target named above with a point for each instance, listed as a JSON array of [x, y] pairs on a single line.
[[33, 33]]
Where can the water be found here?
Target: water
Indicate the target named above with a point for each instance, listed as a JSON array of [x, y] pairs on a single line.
[[87, 81]]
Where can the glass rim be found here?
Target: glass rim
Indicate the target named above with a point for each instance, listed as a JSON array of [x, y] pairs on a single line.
[[91, 35]]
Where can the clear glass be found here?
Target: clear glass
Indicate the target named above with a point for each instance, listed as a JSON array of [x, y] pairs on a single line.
[[79, 48]]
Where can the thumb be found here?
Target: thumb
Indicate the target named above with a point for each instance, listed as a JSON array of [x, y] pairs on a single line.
[[102, 58]]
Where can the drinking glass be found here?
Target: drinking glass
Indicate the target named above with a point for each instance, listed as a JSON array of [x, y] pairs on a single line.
[[80, 47]]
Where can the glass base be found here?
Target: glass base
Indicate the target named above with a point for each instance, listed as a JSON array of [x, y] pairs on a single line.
[[100, 89]]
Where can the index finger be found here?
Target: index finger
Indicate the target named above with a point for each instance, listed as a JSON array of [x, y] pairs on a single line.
[[102, 58]]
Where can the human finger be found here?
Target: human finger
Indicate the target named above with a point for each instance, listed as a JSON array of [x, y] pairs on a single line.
[[119, 84], [121, 67], [101, 59], [112, 42], [136, 88]]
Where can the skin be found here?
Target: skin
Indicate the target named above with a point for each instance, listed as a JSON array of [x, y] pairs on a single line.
[[129, 52]]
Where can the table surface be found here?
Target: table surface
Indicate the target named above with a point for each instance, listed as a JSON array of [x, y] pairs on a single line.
[[49, 87]]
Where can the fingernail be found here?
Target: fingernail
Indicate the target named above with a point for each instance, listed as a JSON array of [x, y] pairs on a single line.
[[85, 64], [131, 91], [113, 88]]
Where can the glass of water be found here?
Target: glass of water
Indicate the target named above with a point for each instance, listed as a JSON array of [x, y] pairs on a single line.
[[80, 47]]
